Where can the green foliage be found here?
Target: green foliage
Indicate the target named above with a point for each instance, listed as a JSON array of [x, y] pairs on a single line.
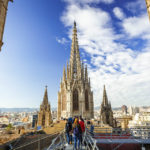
[[9, 127]]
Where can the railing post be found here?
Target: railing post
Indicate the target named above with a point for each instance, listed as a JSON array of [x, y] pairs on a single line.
[[39, 143]]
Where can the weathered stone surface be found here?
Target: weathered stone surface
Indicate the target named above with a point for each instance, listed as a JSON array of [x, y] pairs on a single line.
[[75, 96], [3, 13]]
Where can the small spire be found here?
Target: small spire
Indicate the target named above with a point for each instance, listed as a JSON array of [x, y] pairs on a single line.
[[86, 73], [105, 99], [89, 82], [45, 99], [67, 71], [64, 74], [82, 69]]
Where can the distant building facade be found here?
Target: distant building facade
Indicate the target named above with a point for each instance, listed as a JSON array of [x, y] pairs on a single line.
[[133, 110], [140, 125], [75, 96], [148, 7], [124, 109], [44, 115], [124, 121], [3, 13], [106, 113]]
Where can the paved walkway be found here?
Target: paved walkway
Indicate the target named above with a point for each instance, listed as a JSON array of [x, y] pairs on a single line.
[[70, 147]]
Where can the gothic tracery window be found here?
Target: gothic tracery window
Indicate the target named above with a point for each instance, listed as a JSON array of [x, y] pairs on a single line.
[[86, 100], [75, 100]]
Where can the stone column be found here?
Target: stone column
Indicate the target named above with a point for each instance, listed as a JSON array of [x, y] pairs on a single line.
[[3, 13]]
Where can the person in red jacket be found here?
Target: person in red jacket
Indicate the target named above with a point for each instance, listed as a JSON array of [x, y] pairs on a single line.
[[81, 122]]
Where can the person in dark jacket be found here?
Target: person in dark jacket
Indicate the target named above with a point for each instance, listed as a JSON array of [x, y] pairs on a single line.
[[77, 133], [68, 129]]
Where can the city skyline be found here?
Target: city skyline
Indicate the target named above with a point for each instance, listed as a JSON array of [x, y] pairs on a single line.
[[114, 42]]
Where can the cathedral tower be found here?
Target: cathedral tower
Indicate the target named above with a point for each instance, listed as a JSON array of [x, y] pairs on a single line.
[[148, 7], [75, 96], [3, 13], [44, 115], [106, 114]]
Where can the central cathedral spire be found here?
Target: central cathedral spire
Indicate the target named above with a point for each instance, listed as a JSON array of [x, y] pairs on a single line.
[[75, 64], [75, 97]]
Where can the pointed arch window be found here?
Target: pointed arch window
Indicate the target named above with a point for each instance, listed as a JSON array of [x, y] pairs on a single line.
[[86, 100], [43, 120], [75, 100]]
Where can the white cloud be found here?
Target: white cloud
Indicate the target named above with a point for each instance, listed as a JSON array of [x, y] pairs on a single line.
[[61, 40], [88, 1], [137, 26], [125, 72], [138, 6], [118, 13]]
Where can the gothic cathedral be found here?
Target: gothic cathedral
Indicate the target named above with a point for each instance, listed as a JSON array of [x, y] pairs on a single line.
[[44, 115], [106, 114], [75, 96]]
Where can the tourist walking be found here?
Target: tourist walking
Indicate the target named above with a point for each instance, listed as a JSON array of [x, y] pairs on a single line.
[[92, 129], [68, 129], [77, 133], [81, 122]]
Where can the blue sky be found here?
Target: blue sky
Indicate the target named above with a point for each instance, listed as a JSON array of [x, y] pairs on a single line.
[[114, 41]]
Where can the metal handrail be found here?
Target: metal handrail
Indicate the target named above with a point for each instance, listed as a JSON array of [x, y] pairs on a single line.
[[32, 142], [89, 141], [59, 142]]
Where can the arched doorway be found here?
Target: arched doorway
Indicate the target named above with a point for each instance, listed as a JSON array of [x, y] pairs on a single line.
[[75, 100], [86, 100]]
